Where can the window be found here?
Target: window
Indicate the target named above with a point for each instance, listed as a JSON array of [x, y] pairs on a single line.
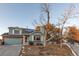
[[16, 32], [37, 37]]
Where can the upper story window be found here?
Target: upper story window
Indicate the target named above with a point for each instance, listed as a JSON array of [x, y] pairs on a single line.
[[16, 31]]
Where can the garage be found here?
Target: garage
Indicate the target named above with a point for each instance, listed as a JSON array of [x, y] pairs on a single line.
[[13, 41]]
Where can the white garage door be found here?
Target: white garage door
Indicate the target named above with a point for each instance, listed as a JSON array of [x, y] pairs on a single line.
[[13, 41]]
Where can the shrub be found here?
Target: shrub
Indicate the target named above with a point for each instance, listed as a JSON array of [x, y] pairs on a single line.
[[31, 42]]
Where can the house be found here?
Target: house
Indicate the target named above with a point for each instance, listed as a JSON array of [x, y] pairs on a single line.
[[17, 35]]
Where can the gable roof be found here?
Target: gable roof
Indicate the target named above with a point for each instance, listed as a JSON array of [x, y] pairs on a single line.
[[24, 31]]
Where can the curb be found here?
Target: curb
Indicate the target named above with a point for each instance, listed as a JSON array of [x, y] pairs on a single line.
[[71, 49]]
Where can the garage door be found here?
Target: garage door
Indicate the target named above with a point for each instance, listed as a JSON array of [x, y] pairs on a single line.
[[12, 41]]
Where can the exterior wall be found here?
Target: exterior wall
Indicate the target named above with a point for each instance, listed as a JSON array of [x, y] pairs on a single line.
[[23, 40], [42, 30], [10, 31], [20, 32], [31, 38], [42, 38]]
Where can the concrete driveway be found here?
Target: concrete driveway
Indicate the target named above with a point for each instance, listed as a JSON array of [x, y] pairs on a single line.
[[10, 50]]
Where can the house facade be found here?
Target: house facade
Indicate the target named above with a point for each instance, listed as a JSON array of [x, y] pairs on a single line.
[[37, 37], [17, 35]]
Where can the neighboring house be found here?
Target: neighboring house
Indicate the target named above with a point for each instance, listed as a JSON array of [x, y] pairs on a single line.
[[18, 35]]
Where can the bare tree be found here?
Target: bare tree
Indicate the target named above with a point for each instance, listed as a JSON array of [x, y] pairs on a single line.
[[45, 9], [50, 30], [42, 20], [45, 19], [34, 23], [68, 14]]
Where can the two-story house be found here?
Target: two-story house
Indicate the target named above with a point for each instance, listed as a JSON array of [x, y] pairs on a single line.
[[17, 35]]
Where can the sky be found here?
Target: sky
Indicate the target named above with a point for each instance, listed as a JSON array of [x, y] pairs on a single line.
[[24, 14]]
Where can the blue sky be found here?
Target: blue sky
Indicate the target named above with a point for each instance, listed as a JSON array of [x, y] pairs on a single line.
[[23, 14]]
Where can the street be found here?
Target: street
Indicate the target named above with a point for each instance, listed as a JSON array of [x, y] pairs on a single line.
[[10, 50], [75, 48]]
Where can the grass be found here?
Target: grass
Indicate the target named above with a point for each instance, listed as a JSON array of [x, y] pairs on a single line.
[[49, 50]]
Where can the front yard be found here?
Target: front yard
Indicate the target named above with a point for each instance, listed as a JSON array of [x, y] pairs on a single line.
[[49, 50]]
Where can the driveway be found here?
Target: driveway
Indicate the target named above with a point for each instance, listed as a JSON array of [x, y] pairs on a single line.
[[10, 50]]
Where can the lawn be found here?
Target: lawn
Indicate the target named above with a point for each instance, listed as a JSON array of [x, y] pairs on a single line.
[[49, 50]]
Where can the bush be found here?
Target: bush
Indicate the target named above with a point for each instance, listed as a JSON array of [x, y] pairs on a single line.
[[31, 42]]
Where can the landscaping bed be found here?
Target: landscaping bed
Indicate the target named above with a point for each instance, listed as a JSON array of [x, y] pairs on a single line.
[[49, 50]]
